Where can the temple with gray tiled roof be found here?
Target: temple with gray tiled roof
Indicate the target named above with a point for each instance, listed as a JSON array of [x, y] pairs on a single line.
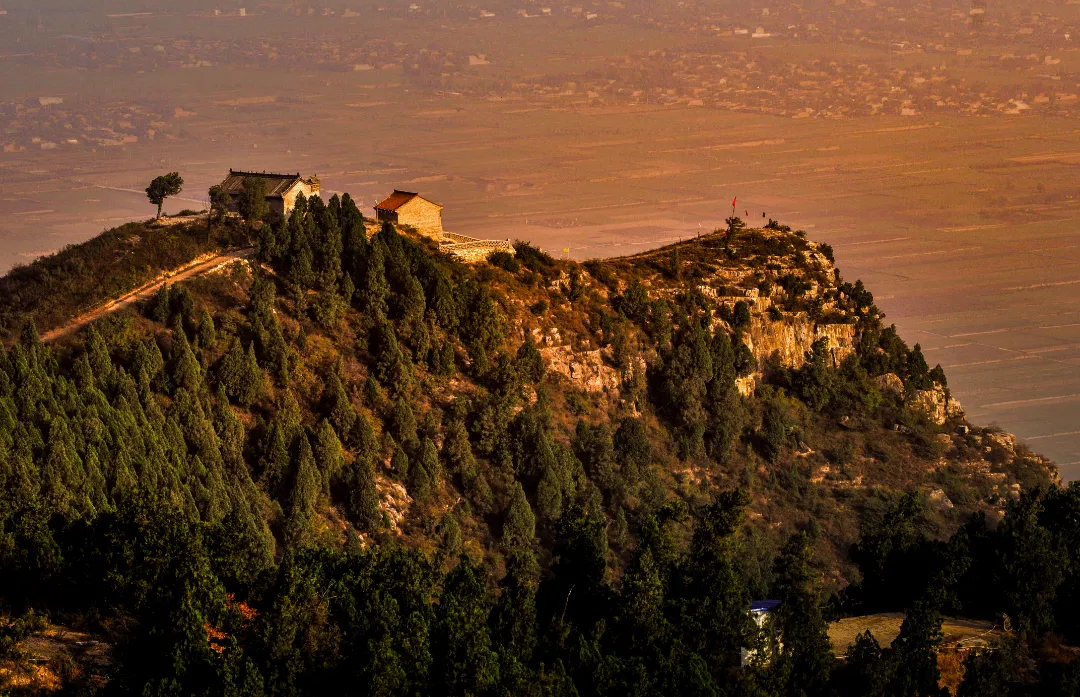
[[281, 189]]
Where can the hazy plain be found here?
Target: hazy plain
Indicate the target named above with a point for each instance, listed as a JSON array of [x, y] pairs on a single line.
[[966, 229]]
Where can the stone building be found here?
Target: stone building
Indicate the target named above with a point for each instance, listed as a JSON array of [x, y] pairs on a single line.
[[412, 209], [281, 189], [409, 208]]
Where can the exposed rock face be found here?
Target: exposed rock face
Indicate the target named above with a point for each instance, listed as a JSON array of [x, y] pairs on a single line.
[[937, 405], [890, 382], [939, 499], [394, 501], [792, 337], [746, 385], [586, 368]]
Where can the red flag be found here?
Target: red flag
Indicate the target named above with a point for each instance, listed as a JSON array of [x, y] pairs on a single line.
[[733, 201]]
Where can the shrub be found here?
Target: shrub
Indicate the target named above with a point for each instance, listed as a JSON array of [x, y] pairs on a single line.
[[842, 451], [741, 315], [328, 310], [634, 302], [505, 261], [602, 273], [794, 285], [577, 403], [533, 258]]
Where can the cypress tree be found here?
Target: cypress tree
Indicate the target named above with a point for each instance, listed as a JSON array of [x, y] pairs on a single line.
[[806, 656], [519, 526], [376, 288], [362, 497], [186, 372], [305, 493], [464, 662], [399, 464], [328, 457]]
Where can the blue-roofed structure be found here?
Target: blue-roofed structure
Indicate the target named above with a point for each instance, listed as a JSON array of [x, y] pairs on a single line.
[[760, 612], [763, 605]]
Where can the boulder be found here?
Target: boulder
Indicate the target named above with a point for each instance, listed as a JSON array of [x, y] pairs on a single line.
[[936, 404], [890, 383]]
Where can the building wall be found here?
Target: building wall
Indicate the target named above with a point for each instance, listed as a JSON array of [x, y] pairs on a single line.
[[281, 205], [289, 199], [423, 215], [385, 216]]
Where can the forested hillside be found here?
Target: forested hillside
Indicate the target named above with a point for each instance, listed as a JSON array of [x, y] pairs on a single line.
[[359, 466]]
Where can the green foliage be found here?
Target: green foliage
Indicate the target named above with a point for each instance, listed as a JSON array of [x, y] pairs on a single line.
[[359, 482], [632, 449], [805, 659], [520, 524], [634, 302], [464, 662], [328, 310], [918, 372], [533, 258], [530, 363], [239, 373], [775, 430], [505, 261], [251, 203], [251, 551], [163, 187], [424, 474], [220, 201]]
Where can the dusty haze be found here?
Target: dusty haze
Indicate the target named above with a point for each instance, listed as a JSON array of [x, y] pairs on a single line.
[[934, 144]]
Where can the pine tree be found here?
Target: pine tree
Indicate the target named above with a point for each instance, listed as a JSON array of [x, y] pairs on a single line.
[[186, 372], [399, 465], [464, 662], [918, 372], [806, 656], [530, 362], [328, 456], [514, 623], [160, 308], [359, 481], [424, 474], [239, 373], [98, 354], [914, 652], [252, 203], [376, 288], [207, 332], [714, 617], [632, 449], [519, 526], [305, 493], [549, 499], [390, 366]]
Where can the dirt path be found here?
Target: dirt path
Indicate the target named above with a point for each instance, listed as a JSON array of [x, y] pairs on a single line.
[[196, 267]]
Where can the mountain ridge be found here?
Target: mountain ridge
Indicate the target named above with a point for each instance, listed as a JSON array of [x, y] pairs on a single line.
[[350, 396]]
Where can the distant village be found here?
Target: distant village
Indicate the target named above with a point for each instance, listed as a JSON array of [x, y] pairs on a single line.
[[1025, 62]]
